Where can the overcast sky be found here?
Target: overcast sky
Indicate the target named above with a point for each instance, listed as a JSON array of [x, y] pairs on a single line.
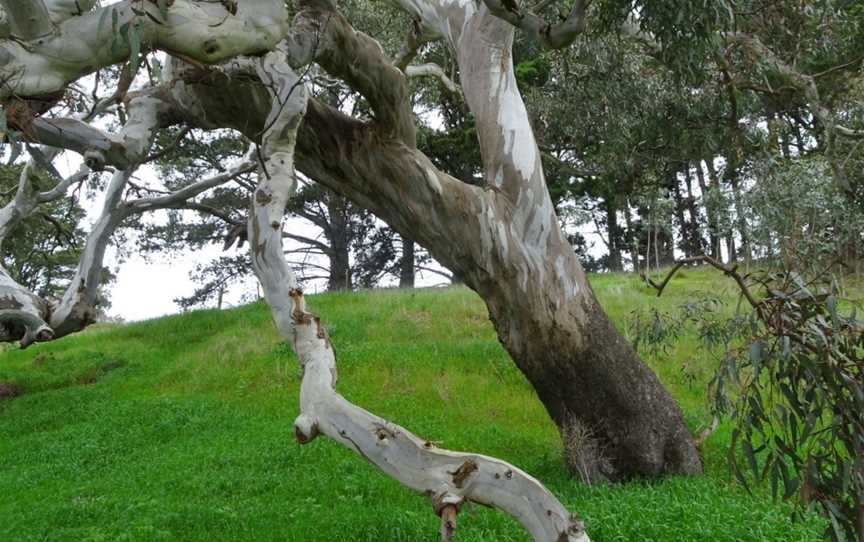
[[146, 288]]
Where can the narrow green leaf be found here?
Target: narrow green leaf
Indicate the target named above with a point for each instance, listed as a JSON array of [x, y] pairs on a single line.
[[751, 457], [43, 162]]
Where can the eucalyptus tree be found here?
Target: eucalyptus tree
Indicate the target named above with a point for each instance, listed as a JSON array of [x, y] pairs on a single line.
[[42, 252], [242, 66]]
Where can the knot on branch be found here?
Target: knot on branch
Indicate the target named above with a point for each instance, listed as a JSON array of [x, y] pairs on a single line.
[[94, 159], [305, 428], [465, 470], [299, 315]]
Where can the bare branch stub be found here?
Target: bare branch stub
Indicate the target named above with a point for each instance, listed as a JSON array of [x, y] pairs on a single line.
[[547, 35], [448, 522], [729, 271]]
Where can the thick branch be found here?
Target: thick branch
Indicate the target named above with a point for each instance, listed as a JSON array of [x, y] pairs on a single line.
[[77, 309], [549, 36], [22, 313], [28, 18], [147, 111], [204, 31], [449, 478], [359, 61]]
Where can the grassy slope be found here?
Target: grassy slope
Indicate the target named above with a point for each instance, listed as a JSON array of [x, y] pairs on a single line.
[[180, 429]]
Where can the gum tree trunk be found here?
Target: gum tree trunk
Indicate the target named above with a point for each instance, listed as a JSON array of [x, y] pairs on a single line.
[[503, 237]]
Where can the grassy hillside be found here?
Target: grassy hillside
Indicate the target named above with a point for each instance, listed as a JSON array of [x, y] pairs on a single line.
[[180, 429]]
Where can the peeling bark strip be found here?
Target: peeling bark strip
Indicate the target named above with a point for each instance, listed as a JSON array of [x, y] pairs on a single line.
[[449, 478]]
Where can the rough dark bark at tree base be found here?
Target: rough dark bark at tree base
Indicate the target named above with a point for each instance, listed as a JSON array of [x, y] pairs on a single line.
[[602, 384]]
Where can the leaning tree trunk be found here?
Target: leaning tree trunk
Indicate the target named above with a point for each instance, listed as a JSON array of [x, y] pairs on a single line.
[[504, 239]]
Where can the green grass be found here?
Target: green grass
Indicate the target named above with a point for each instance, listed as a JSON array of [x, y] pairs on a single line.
[[181, 429]]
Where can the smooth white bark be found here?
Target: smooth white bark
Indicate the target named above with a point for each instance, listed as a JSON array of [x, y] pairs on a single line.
[[19, 307], [204, 31], [77, 308], [28, 19], [448, 478]]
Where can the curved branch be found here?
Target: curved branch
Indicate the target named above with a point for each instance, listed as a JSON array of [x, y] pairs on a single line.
[[203, 31], [60, 189], [146, 111], [77, 308], [358, 60], [431, 69], [22, 313], [448, 478]]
